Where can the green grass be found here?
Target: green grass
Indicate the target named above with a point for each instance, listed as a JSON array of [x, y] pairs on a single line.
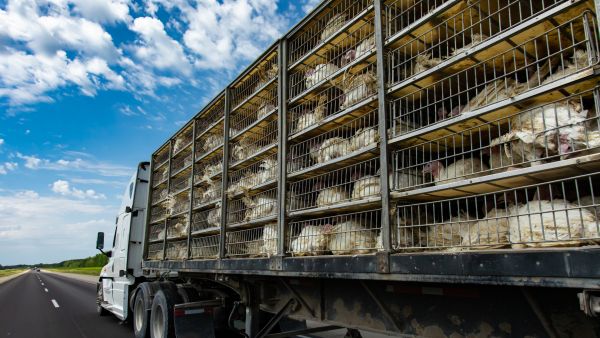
[[8, 272], [93, 271]]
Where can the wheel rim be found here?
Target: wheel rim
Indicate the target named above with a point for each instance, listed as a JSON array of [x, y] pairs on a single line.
[[158, 322], [139, 312]]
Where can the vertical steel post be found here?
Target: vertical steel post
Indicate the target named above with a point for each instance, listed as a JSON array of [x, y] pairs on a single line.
[[189, 232], [168, 192], [282, 153], [224, 175], [383, 148], [148, 207]]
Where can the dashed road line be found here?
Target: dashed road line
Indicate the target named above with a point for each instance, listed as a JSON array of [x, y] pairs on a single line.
[[45, 289], [55, 304]]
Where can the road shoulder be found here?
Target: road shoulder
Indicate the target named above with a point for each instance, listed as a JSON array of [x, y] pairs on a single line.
[[7, 278]]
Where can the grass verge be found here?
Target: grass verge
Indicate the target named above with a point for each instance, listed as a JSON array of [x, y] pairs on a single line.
[[8, 272], [93, 271]]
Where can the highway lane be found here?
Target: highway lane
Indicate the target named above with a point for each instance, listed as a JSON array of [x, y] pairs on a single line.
[[39, 304], [49, 305]]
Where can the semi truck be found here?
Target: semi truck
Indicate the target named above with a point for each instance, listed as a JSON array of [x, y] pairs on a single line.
[[422, 168]]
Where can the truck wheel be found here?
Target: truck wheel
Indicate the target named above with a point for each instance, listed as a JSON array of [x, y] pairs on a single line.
[[161, 318], [141, 316], [99, 299]]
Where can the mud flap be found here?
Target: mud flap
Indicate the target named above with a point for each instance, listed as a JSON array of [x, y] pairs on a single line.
[[194, 320]]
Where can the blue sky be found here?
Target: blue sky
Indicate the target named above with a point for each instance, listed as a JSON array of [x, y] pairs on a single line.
[[88, 88]]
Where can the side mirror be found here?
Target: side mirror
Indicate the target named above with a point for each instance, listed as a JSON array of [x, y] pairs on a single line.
[[100, 241], [128, 209]]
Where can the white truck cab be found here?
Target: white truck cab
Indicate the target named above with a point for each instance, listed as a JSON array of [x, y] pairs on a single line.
[[125, 257]]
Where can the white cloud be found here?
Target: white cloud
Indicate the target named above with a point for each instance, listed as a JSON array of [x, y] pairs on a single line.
[[222, 34], [1, 141], [8, 166], [26, 78], [309, 5], [36, 228], [76, 165], [104, 11], [156, 48], [63, 188]]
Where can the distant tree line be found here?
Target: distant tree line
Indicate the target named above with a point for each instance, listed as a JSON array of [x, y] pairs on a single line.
[[93, 261]]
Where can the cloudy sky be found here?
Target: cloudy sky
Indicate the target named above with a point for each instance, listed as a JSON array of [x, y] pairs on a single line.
[[89, 88]]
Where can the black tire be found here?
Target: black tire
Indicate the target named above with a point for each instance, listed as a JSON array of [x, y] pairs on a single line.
[[99, 298], [141, 316], [161, 318]]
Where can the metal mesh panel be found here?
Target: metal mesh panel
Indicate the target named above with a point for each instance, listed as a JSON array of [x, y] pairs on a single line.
[[352, 137], [183, 140], [161, 158], [256, 174], [556, 130], [157, 232], [177, 250], [206, 220], [155, 251], [159, 195], [252, 208], [205, 247], [324, 28], [261, 241], [179, 203], [209, 168], [262, 105], [209, 141], [177, 227], [254, 142], [158, 212], [344, 55], [207, 193], [352, 183], [555, 54], [561, 213], [182, 161], [258, 78], [161, 175], [210, 117], [354, 233]]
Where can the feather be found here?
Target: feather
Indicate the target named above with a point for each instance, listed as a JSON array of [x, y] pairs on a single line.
[[363, 138], [332, 148], [319, 73], [332, 195], [488, 233], [269, 240], [580, 60], [350, 237], [357, 88], [312, 240], [333, 25], [365, 187], [457, 171]]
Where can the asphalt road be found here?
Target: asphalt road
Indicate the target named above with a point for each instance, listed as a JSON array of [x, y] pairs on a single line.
[[40, 304], [66, 309]]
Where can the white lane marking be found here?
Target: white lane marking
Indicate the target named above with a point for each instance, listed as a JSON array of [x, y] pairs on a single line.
[[55, 303], [45, 289], [42, 284]]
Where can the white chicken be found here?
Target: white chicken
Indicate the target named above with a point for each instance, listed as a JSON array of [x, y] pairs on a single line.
[[476, 39], [493, 92], [580, 60], [331, 195], [267, 172], [269, 240], [309, 118], [204, 248], [333, 25], [592, 203], [332, 148], [366, 186], [350, 237], [311, 241], [577, 140], [213, 219], [405, 178], [210, 170], [457, 171], [406, 233], [212, 191], [422, 63], [543, 223], [490, 232], [212, 141], [363, 138], [319, 73], [357, 87], [450, 234], [178, 229], [259, 207], [177, 250], [264, 109], [364, 47]]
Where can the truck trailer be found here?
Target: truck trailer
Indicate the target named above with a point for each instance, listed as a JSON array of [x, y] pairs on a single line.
[[424, 168]]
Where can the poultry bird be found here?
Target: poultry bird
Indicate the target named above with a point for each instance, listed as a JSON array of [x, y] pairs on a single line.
[[490, 232], [331, 195], [311, 241], [362, 48], [457, 171], [365, 186], [350, 237], [319, 73], [363, 138], [544, 223], [450, 233], [579, 60], [258, 207], [310, 118], [333, 25], [332, 148], [357, 88], [269, 240]]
